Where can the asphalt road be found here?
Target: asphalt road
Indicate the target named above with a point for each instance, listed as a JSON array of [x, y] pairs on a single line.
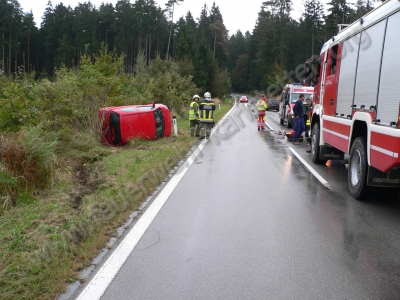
[[249, 220]]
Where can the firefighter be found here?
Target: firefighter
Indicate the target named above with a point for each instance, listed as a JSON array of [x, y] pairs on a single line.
[[194, 117], [261, 108], [207, 107]]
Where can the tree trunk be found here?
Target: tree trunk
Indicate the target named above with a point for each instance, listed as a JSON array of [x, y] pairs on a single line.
[[170, 30], [215, 42], [3, 54], [150, 47], [29, 51], [145, 51], [9, 55], [106, 31], [312, 45], [139, 43]]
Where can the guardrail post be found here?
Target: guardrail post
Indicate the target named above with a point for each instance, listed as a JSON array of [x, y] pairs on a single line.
[[175, 125]]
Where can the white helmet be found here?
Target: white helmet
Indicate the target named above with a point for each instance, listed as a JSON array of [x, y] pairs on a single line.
[[207, 95], [196, 96]]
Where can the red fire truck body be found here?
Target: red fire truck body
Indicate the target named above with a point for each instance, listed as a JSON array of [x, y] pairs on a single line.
[[123, 123], [356, 102]]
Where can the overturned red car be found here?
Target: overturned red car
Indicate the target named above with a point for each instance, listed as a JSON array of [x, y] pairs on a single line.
[[123, 123]]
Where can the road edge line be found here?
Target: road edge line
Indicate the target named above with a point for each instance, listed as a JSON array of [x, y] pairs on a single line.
[[107, 272], [311, 169]]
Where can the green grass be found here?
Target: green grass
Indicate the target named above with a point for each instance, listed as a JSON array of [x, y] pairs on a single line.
[[50, 236]]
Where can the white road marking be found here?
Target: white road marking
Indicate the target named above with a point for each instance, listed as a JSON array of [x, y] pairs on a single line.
[[319, 177], [99, 283], [269, 126]]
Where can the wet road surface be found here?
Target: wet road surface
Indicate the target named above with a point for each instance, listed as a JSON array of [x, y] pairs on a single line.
[[249, 221]]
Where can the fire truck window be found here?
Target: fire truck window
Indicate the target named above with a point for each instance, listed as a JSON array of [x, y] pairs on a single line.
[[334, 51]]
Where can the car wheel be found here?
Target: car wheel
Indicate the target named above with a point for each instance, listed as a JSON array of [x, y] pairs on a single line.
[[315, 148], [358, 169]]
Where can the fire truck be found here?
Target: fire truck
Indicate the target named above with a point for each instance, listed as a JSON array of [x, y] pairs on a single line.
[[289, 96], [356, 102]]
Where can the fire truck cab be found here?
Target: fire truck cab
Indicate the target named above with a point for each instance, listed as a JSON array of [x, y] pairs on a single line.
[[289, 96], [356, 109]]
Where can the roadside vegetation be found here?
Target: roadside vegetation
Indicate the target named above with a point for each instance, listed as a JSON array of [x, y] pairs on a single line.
[[63, 193]]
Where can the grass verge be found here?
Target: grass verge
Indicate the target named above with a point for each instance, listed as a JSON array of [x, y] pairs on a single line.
[[49, 237]]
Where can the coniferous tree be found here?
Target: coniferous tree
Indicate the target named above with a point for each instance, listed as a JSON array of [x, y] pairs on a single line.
[[312, 23], [186, 42], [107, 18], [29, 41], [219, 36], [339, 12], [170, 8], [11, 18]]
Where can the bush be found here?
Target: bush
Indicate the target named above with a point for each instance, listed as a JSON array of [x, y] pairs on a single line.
[[17, 105], [26, 161]]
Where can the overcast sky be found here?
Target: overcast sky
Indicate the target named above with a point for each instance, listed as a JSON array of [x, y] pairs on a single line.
[[237, 15]]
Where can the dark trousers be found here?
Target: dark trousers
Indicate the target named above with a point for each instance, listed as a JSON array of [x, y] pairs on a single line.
[[194, 127], [206, 129], [298, 128]]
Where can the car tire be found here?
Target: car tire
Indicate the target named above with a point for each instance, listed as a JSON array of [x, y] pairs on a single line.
[[315, 148], [358, 170]]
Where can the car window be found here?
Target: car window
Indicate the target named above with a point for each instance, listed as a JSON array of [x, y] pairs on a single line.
[[145, 108], [128, 109], [295, 96]]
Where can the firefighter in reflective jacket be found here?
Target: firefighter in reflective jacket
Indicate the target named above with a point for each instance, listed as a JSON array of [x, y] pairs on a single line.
[[261, 108], [207, 107], [194, 117]]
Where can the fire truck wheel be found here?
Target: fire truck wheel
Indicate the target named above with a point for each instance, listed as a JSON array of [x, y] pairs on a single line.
[[315, 145], [358, 168]]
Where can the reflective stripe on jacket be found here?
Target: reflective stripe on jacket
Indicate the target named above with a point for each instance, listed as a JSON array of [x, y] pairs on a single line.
[[194, 111], [206, 111]]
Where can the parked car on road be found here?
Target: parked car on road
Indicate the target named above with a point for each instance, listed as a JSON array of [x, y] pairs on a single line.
[[273, 104], [244, 99]]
